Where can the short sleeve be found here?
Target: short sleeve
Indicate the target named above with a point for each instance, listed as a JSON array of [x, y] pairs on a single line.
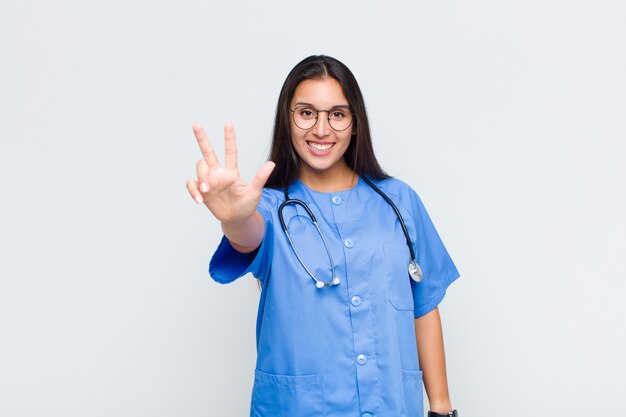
[[227, 264], [438, 269]]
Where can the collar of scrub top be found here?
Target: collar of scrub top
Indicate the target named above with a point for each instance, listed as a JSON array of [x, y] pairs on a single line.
[[415, 272]]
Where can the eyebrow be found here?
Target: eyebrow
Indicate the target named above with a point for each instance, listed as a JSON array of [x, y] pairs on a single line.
[[301, 103]]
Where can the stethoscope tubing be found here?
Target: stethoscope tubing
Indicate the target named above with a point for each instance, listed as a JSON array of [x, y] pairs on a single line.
[[334, 280], [414, 269], [395, 208]]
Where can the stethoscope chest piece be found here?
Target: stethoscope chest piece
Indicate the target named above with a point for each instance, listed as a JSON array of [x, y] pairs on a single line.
[[321, 284], [415, 271]]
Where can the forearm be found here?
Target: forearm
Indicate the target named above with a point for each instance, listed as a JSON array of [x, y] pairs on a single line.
[[429, 337], [245, 235]]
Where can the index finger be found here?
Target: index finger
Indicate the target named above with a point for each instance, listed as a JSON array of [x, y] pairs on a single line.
[[205, 146]]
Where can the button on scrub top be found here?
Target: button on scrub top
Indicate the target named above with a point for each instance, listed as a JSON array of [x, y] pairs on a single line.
[[347, 350]]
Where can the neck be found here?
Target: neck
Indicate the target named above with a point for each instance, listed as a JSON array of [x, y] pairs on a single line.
[[328, 181]]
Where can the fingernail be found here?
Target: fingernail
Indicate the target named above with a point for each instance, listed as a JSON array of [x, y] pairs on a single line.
[[199, 199], [204, 188]]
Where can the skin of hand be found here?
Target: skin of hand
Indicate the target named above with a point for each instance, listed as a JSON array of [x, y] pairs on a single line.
[[429, 337], [231, 200]]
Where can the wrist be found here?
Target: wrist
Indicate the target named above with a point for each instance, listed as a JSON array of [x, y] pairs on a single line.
[[244, 234], [441, 407], [236, 224]]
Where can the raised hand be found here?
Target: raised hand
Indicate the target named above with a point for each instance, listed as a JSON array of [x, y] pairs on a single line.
[[226, 195]]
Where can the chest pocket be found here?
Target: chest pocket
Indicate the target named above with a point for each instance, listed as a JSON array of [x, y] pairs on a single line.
[[398, 281]]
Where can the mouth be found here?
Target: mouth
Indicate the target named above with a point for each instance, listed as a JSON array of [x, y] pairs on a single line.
[[320, 147]]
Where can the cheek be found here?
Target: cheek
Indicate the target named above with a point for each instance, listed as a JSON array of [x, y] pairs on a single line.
[[348, 137], [297, 143], [296, 138]]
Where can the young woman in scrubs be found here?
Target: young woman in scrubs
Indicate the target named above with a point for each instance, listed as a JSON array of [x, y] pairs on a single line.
[[363, 344]]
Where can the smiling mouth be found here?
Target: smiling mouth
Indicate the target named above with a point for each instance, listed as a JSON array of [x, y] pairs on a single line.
[[320, 146]]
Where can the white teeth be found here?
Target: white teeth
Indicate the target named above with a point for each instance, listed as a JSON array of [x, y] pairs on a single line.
[[319, 147]]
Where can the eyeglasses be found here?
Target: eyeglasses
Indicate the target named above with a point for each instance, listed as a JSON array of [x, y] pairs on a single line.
[[339, 117]]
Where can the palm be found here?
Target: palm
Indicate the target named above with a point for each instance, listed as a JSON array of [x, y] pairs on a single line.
[[229, 195]]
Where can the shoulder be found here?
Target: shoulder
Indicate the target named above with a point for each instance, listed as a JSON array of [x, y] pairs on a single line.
[[402, 194], [397, 188]]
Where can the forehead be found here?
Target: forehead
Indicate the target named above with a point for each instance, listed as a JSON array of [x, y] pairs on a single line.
[[322, 93]]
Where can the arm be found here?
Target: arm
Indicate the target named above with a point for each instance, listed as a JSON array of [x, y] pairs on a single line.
[[429, 337]]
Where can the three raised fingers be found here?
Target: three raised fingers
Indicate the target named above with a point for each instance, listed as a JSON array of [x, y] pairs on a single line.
[[204, 166]]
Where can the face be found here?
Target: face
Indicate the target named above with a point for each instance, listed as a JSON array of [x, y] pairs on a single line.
[[321, 148]]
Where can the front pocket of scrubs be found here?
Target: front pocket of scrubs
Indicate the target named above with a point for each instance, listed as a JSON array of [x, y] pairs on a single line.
[[413, 394], [398, 281], [285, 395]]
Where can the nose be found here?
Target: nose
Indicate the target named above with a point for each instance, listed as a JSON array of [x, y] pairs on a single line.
[[322, 126]]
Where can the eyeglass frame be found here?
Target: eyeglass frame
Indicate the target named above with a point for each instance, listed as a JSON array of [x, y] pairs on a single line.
[[293, 111]]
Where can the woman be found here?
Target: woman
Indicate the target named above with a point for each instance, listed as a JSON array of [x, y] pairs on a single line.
[[342, 328]]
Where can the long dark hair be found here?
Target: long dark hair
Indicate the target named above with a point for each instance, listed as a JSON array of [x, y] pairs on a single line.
[[360, 154]]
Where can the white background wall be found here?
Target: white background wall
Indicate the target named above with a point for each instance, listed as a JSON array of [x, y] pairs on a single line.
[[508, 118]]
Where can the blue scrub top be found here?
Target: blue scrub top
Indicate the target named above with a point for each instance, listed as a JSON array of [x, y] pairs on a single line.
[[346, 350]]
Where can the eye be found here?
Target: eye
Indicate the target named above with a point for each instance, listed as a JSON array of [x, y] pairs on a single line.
[[338, 114], [307, 113]]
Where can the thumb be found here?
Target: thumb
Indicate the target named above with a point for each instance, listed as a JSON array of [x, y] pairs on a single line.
[[261, 177]]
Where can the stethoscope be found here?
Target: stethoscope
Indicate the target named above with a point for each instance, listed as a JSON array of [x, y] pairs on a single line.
[[415, 272]]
